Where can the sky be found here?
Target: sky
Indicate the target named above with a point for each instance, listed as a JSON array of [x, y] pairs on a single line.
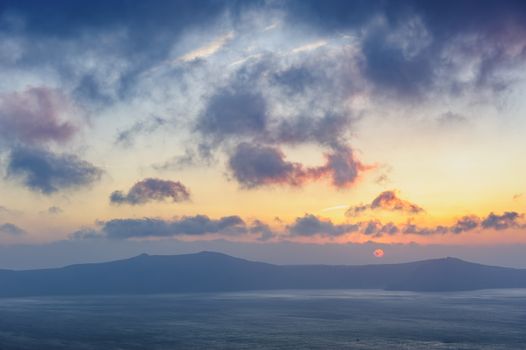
[[283, 131]]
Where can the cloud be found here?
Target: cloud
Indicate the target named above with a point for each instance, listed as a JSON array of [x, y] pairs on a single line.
[[387, 200], [388, 64], [126, 138], [295, 79], [264, 231], [188, 225], [91, 47], [35, 116], [310, 225], [307, 226], [466, 223], [232, 113], [335, 207], [342, 167], [411, 229], [151, 189], [414, 48], [196, 226], [246, 112], [31, 120], [201, 157], [310, 46], [46, 172], [208, 49], [254, 165], [327, 130], [377, 229], [85, 233], [501, 222], [54, 210], [11, 230]]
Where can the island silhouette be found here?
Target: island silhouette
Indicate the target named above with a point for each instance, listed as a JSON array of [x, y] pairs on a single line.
[[217, 272]]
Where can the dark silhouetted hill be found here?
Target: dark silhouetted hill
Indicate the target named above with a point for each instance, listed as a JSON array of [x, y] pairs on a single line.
[[215, 272]]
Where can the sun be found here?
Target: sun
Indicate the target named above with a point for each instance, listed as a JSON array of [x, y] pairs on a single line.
[[379, 253]]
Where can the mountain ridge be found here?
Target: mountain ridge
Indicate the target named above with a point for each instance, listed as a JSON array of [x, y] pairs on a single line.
[[208, 271]]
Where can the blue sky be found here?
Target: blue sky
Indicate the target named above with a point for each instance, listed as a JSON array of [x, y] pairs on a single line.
[[247, 125]]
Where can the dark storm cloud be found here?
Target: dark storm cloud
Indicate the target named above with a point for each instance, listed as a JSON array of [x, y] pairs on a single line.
[[254, 165], [11, 230], [387, 200], [188, 225], [310, 225], [34, 116], [501, 222], [149, 190], [46, 172]]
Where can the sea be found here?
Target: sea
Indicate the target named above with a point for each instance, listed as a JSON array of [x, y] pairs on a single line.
[[287, 319]]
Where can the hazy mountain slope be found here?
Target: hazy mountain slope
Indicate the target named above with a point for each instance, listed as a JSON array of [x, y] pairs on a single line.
[[214, 272]]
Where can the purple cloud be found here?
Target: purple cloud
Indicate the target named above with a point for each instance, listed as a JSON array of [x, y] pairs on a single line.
[[254, 165], [35, 116], [149, 190]]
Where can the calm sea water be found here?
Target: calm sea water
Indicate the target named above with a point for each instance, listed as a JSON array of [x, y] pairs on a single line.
[[366, 319]]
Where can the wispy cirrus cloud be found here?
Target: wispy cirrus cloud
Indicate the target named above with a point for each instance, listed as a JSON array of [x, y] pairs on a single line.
[[126, 138], [208, 49]]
